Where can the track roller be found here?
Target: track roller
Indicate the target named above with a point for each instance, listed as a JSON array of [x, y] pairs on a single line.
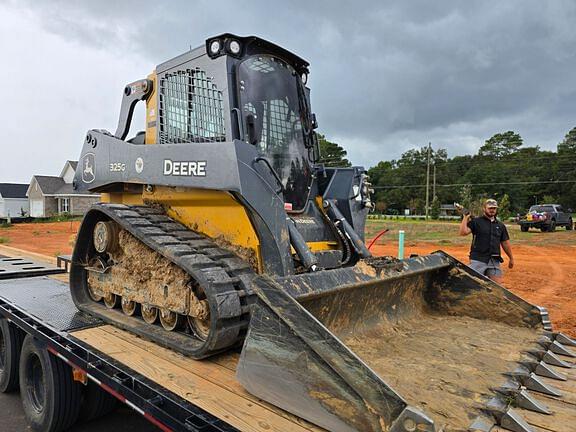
[[129, 307], [149, 313], [170, 320], [112, 301]]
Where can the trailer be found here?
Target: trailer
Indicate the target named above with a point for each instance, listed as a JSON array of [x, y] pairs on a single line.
[[70, 366]]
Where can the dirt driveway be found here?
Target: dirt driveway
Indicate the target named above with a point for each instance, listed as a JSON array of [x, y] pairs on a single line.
[[545, 271], [50, 239]]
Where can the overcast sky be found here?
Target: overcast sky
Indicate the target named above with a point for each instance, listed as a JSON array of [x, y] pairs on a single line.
[[385, 76]]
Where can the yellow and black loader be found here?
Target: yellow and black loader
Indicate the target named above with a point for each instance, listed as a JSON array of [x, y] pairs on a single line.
[[219, 229]]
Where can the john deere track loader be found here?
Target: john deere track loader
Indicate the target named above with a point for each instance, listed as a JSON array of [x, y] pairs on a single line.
[[219, 223]]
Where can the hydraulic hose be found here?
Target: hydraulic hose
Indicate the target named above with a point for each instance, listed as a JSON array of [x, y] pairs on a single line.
[[341, 222]]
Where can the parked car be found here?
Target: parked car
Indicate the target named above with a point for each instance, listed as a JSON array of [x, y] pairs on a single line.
[[546, 217]]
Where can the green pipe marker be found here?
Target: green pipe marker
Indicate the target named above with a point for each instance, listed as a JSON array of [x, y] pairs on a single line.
[[401, 244]]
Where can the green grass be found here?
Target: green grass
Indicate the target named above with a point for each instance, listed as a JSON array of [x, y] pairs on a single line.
[[59, 218], [4, 240], [444, 232], [5, 225]]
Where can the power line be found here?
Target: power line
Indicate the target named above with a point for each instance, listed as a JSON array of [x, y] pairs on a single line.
[[477, 184], [511, 160], [500, 164]]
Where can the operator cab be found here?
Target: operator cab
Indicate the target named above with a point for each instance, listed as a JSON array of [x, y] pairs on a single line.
[[248, 89], [274, 109]]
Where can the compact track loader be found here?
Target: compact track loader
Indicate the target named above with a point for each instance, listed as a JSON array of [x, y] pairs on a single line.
[[219, 229]]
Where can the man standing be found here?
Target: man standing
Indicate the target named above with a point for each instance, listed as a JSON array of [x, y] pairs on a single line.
[[488, 235]]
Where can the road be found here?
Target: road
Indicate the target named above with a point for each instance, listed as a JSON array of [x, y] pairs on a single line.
[[122, 420]]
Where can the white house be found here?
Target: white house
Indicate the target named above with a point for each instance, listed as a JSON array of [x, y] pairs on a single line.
[[53, 195], [13, 200]]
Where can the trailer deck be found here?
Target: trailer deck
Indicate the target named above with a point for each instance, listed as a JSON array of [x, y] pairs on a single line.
[[172, 391], [209, 384]]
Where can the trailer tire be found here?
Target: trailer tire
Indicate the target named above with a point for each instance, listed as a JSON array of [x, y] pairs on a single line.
[[524, 228], [50, 396], [96, 403], [10, 345]]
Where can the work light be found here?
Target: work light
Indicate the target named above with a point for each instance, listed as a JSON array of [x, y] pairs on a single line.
[[234, 47], [215, 47]]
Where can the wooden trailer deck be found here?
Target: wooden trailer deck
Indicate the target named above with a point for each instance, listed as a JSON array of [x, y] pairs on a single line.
[[210, 384]]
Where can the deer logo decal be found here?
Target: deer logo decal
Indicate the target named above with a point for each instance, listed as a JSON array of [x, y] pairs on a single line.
[[88, 168]]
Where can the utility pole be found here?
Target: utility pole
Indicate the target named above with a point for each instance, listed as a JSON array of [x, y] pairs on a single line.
[[428, 180], [434, 181]]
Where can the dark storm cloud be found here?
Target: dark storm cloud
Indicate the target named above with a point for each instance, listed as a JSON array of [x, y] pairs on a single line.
[[385, 77]]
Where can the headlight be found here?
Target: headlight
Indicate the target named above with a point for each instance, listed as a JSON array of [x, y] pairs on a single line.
[[234, 47], [215, 46]]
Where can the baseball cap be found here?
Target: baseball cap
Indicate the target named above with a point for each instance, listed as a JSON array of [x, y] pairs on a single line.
[[491, 203]]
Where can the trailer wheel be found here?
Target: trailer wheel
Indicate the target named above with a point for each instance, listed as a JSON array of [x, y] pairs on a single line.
[[524, 228], [570, 225], [50, 396], [96, 403], [10, 345]]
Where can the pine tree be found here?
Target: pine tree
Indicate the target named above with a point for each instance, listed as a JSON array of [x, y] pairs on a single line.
[[331, 154]]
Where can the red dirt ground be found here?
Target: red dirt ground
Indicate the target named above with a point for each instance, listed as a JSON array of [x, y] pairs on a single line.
[[54, 238], [543, 274]]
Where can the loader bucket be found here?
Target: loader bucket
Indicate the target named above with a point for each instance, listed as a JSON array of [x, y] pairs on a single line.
[[425, 344]]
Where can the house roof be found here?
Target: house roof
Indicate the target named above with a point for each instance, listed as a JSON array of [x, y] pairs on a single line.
[[49, 184], [73, 165], [52, 185], [66, 189], [13, 190]]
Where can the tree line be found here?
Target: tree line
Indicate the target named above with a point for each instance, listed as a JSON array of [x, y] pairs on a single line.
[[503, 168]]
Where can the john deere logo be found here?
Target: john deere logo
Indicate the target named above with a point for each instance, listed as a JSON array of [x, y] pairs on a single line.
[[88, 168]]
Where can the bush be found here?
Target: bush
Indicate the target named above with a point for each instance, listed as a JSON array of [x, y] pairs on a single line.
[[504, 207]]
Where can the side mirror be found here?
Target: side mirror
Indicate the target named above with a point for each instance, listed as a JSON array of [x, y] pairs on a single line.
[[251, 126], [314, 121]]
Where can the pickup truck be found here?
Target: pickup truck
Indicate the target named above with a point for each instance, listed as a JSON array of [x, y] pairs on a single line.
[[546, 217]]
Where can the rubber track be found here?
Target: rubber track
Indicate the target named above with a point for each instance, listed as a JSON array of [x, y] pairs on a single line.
[[224, 277]]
